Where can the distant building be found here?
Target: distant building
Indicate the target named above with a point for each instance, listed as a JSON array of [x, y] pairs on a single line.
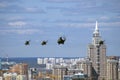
[[49, 66], [67, 77], [73, 71], [1, 78], [9, 76], [52, 60], [21, 69], [85, 66], [45, 60], [39, 60], [112, 68], [33, 73], [80, 76], [119, 74], [59, 72], [97, 54], [21, 77]]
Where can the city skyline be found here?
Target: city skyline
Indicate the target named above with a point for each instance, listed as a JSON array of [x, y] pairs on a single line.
[[49, 19]]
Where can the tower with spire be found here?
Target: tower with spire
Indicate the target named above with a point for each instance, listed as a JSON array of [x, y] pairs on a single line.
[[97, 55], [96, 35]]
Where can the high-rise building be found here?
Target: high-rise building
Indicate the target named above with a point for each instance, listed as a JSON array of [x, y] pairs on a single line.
[[112, 68], [97, 55]]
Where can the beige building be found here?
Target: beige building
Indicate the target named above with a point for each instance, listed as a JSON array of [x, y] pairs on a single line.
[[20, 69], [59, 72], [97, 55], [119, 74], [85, 66], [112, 68]]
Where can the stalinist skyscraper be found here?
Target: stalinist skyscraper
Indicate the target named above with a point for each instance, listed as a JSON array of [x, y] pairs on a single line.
[[97, 55]]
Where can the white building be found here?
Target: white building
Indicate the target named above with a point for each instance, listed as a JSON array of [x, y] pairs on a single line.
[[1, 78], [52, 60], [9, 76], [21, 77], [61, 60], [39, 60], [49, 66], [45, 60]]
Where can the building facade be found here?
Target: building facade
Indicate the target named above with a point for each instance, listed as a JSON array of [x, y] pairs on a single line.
[[85, 66], [97, 55], [9, 76], [112, 68], [59, 72], [20, 69]]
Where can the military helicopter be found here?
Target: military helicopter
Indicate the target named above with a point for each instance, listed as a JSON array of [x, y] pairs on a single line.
[[61, 40], [101, 42], [27, 42], [44, 43]]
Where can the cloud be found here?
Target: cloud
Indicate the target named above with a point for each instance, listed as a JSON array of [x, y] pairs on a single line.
[[31, 9], [34, 10], [20, 9], [57, 1], [77, 25], [74, 7], [12, 18], [9, 1], [28, 31], [104, 18], [21, 32], [87, 24], [87, 7], [17, 24], [99, 18], [110, 24], [2, 5]]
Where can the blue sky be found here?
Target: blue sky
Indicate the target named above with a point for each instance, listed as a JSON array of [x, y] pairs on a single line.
[[38, 20]]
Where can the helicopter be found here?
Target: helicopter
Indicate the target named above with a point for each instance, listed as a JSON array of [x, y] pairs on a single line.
[[27, 42], [61, 40], [44, 43], [101, 42]]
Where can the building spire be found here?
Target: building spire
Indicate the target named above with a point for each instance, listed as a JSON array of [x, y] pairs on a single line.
[[96, 28], [96, 35]]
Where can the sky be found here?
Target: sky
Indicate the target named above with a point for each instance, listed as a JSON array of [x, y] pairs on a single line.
[[38, 20]]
